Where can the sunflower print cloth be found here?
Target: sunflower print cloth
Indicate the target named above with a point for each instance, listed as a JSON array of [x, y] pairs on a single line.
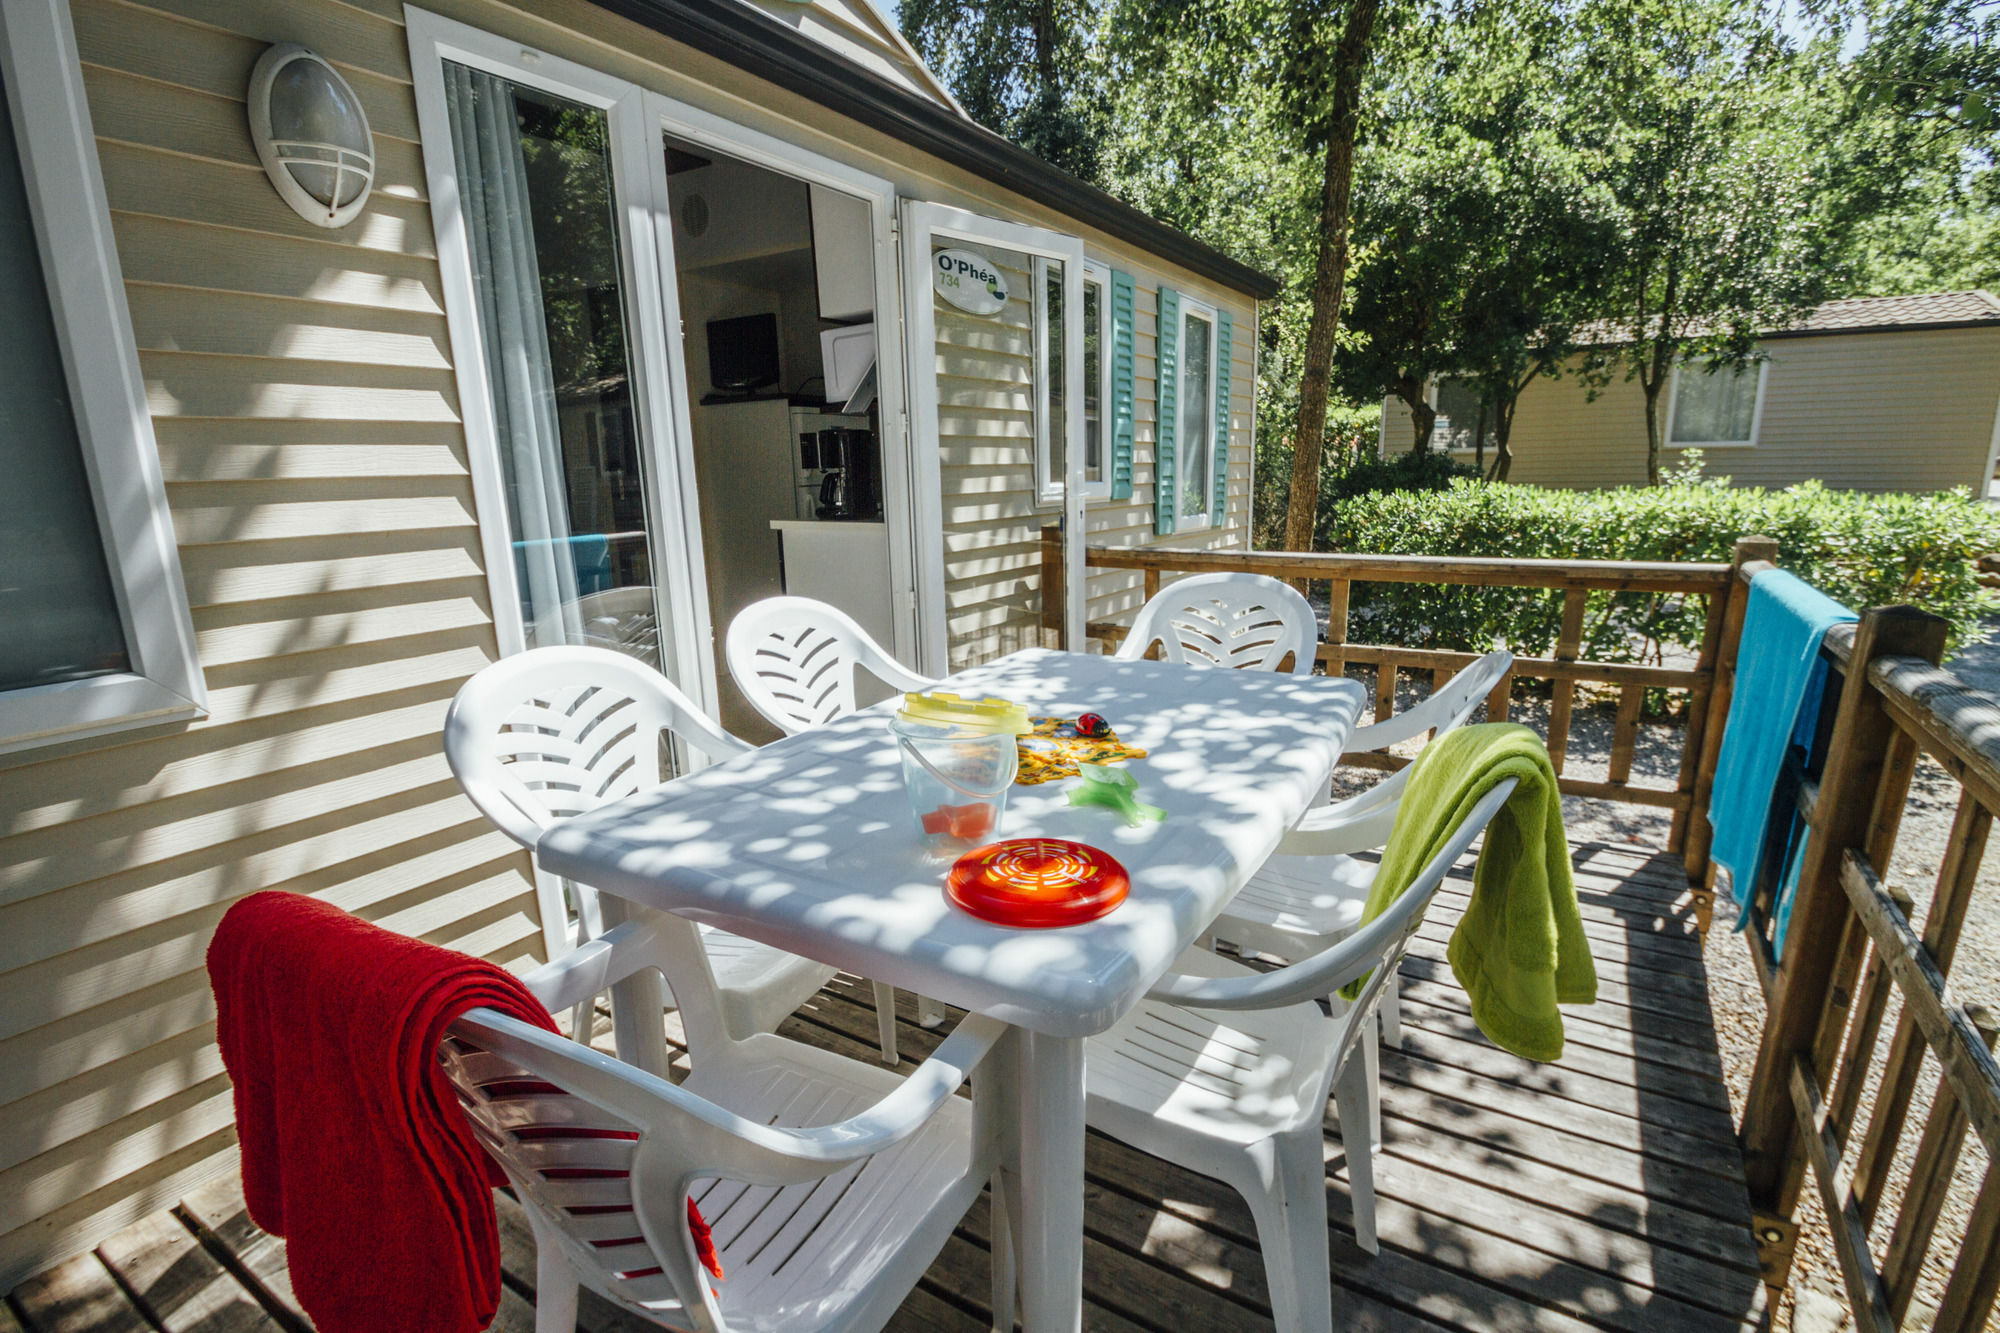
[[1053, 750]]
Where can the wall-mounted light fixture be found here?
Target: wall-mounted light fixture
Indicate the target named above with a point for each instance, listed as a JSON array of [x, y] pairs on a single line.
[[311, 134]]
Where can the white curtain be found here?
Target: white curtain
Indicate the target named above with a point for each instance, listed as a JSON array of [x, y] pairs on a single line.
[[500, 233]]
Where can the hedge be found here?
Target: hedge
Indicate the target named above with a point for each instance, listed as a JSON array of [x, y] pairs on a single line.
[[1861, 549]]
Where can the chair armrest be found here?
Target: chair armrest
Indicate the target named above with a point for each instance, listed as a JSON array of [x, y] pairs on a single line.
[[904, 1111], [595, 966], [1358, 954], [1359, 825], [656, 1106]]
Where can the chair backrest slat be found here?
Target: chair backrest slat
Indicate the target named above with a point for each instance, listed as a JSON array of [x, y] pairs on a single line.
[[795, 658], [552, 733], [1249, 621]]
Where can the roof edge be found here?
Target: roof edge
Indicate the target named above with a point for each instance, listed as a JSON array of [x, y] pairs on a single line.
[[1990, 322], [759, 45]]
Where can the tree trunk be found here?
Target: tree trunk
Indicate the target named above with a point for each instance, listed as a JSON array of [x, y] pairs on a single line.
[[1653, 430], [1423, 421], [1479, 439], [1503, 441], [1330, 274]]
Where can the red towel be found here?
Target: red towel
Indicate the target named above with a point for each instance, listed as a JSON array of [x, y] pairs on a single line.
[[354, 1147]]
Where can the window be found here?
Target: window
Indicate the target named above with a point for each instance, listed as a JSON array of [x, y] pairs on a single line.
[[548, 276], [1195, 434], [1462, 420], [1096, 380], [99, 637], [1051, 453], [1716, 407]]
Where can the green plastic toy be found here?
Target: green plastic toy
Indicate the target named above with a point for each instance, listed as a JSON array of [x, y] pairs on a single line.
[[1114, 789]]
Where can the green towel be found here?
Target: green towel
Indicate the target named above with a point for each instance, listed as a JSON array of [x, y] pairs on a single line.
[[1519, 950]]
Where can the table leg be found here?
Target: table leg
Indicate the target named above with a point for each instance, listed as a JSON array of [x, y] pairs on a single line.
[[638, 1003], [1050, 1189]]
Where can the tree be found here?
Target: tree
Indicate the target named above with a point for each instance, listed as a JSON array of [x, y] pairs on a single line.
[[1027, 69], [1484, 231], [1293, 72], [1719, 228], [1337, 120]]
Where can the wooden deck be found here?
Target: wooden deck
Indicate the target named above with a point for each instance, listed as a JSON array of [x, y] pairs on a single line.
[[1602, 1193]]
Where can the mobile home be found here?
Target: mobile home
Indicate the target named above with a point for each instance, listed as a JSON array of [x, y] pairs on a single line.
[[360, 343]]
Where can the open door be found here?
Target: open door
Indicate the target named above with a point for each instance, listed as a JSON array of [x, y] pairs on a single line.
[[995, 336]]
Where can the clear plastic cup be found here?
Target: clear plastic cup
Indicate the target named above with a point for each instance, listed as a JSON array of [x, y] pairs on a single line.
[[957, 777]]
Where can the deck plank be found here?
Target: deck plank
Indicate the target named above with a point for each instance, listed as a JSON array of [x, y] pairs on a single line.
[[162, 1263], [1602, 1194], [78, 1296]]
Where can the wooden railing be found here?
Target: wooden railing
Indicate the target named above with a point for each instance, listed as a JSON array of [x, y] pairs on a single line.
[[1850, 944], [1566, 670]]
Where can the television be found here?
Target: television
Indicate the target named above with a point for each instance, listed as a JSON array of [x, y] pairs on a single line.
[[743, 353]]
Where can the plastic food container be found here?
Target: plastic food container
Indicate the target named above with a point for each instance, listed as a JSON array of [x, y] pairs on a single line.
[[958, 763]]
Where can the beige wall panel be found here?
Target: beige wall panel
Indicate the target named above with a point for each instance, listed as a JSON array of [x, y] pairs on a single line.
[[166, 185], [220, 577], [288, 330], [188, 255], [1837, 408], [308, 425], [109, 1093], [346, 34], [134, 38], [150, 114]]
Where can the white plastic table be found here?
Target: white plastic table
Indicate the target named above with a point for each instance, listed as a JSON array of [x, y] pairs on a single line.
[[809, 844]]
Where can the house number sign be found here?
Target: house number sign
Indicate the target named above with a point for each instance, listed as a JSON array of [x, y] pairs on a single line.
[[969, 281]]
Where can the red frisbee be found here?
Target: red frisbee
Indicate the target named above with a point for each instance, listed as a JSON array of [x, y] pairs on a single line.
[[1037, 882]]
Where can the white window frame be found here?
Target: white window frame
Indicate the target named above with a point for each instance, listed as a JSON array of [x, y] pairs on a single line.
[[1756, 413], [1207, 518], [65, 189], [1049, 488], [1095, 271]]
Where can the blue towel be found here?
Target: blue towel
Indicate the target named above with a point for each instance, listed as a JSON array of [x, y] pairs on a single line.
[[1778, 670]]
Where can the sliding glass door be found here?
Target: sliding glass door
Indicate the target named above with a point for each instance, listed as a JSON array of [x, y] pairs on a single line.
[[542, 187], [534, 178]]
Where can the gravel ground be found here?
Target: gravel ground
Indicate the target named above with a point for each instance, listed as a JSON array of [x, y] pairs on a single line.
[[1738, 1001]]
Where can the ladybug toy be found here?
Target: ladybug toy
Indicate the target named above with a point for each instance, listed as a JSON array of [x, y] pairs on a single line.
[[1092, 726]]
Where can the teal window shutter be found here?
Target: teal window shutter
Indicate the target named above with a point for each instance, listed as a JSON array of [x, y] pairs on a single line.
[[1122, 328], [1165, 410], [1221, 469]]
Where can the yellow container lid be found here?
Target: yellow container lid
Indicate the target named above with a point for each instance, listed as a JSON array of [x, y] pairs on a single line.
[[997, 717]]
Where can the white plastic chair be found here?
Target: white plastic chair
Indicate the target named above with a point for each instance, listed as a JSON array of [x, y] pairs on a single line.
[[830, 1185], [1309, 895], [795, 660], [1226, 1071], [553, 732], [1227, 620]]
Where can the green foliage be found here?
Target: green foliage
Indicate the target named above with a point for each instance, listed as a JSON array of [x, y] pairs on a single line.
[[1861, 549], [1028, 69], [1350, 442]]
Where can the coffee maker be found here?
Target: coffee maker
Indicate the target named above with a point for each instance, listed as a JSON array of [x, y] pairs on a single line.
[[837, 475]]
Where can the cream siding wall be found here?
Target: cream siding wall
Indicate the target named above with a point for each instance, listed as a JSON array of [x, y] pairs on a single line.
[[1906, 411], [306, 411], [307, 423]]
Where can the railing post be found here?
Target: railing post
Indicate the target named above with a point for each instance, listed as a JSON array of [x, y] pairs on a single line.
[[1806, 993], [1707, 744], [1336, 627], [1054, 586], [1569, 643]]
